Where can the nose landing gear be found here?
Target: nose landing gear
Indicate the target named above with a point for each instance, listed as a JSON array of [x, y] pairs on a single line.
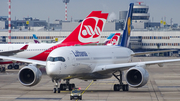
[[63, 86]]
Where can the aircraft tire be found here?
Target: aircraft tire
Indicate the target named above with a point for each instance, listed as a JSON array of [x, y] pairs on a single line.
[[80, 98], [10, 67], [73, 86], [3, 69], [54, 90], [16, 66], [59, 90], [70, 87], [116, 87], [126, 87], [62, 86]]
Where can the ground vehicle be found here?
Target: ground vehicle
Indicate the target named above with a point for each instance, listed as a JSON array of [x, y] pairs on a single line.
[[76, 94]]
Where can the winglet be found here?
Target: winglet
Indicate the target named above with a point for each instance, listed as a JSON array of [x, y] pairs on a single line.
[[127, 30], [24, 47]]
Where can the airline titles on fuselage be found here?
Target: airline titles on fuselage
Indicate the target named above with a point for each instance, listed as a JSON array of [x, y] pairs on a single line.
[[79, 54]]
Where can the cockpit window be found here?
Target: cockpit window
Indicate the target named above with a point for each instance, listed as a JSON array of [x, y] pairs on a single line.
[[53, 59]]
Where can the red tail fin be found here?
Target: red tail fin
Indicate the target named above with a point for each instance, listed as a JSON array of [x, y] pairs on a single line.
[[89, 30], [114, 40]]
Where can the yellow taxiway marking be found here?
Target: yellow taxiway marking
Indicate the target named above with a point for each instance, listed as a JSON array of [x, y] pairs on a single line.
[[86, 88]]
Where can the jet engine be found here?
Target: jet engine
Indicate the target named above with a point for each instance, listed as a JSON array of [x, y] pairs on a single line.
[[137, 76], [29, 75]]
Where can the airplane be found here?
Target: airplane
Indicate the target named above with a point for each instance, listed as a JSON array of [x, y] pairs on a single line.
[[15, 65], [35, 39], [114, 40], [88, 31], [109, 38], [43, 42], [90, 63], [8, 51]]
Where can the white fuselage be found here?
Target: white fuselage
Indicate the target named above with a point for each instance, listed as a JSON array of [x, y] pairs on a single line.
[[80, 61]]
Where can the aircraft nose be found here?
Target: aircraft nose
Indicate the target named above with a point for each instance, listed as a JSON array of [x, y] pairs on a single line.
[[51, 69]]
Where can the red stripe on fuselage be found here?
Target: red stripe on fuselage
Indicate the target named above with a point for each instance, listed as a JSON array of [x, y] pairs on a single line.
[[43, 56]]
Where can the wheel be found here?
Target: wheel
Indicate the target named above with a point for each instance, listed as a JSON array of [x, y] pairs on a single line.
[[16, 66], [73, 86], [71, 98], [54, 90], [116, 87], [10, 66], [62, 86], [3, 69], [59, 90], [80, 98], [126, 87], [70, 87]]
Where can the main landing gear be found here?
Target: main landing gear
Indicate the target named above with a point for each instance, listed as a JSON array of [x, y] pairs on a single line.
[[11, 66], [2, 69], [63, 86], [117, 87]]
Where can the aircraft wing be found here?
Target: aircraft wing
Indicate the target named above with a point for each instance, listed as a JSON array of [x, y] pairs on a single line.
[[143, 53], [13, 52], [124, 66], [43, 63]]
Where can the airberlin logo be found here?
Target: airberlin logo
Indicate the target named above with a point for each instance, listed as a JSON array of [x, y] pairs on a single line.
[[90, 29]]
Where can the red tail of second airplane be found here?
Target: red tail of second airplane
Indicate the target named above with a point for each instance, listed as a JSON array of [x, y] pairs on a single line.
[[114, 40], [89, 30]]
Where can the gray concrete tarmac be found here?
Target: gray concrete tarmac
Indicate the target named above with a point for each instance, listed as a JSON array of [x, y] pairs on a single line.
[[163, 85]]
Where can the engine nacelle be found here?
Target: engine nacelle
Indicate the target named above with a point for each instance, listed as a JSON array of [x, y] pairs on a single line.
[[29, 75], [137, 77]]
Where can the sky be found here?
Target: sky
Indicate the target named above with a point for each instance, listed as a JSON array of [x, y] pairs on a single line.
[[79, 9]]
